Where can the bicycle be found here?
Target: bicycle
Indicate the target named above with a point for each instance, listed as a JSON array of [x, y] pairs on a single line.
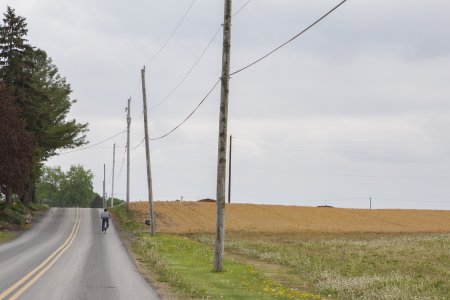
[[105, 225]]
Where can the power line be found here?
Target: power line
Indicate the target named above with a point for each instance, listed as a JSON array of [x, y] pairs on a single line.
[[347, 175], [188, 72], [343, 141], [403, 200], [143, 139], [197, 61], [290, 40], [123, 160], [340, 151], [190, 115], [241, 8], [172, 34], [96, 144]]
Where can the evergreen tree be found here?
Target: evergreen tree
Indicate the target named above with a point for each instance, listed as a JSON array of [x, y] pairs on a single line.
[[42, 96], [15, 148]]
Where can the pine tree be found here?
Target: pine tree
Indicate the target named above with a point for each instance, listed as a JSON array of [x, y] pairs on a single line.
[[15, 148], [42, 96]]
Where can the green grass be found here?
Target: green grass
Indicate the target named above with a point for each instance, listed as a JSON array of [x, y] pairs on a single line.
[[126, 219], [346, 266], [6, 236], [186, 265]]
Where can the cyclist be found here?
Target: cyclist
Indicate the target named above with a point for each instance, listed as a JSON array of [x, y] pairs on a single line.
[[105, 219]]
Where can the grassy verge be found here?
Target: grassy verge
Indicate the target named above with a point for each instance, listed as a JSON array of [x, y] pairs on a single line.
[[6, 236], [356, 266], [186, 265]]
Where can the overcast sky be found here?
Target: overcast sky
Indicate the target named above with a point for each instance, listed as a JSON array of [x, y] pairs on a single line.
[[357, 107]]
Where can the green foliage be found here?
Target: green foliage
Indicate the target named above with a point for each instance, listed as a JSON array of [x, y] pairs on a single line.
[[15, 150], [13, 216], [6, 236], [42, 96], [186, 265], [116, 202], [65, 189], [126, 219]]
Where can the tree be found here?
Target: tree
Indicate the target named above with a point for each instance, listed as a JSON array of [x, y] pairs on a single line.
[[49, 184], [77, 189], [42, 96], [65, 189], [15, 147]]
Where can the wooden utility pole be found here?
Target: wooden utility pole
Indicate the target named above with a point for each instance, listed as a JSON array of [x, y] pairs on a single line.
[[104, 191], [112, 183], [147, 155], [128, 153], [222, 148], [229, 169]]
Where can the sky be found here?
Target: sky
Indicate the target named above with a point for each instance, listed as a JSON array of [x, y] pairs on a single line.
[[356, 108]]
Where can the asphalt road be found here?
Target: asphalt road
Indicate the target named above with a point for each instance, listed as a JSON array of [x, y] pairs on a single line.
[[66, 256]]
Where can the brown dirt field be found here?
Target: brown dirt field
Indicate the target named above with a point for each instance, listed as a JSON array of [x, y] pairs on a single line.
[[200, 217]]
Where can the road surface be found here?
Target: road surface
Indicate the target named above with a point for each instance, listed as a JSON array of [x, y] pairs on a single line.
[[66, 256]]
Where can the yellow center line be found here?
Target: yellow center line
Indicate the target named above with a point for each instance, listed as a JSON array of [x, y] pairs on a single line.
[[55, 255]]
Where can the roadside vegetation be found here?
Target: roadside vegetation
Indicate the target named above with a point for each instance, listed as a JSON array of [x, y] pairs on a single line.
[[35, 101], [15, 217], [6, 236], [66, 189], [355, 266], [382, 254], [186, 265]]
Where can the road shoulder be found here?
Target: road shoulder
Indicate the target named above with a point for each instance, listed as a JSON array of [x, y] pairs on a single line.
[[163, 290]]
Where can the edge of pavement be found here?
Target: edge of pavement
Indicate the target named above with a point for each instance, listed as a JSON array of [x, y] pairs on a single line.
[[163, 290]]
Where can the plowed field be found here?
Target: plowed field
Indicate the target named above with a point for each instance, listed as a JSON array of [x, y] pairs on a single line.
[[200, 217]]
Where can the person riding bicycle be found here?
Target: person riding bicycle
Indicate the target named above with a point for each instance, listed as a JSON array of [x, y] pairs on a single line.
[[105, 219]]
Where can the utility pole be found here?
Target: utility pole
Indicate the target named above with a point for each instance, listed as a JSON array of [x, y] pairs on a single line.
[[229, 169], [128, 153], [147, 155], [104, 192], [112, 184], [222, 147]]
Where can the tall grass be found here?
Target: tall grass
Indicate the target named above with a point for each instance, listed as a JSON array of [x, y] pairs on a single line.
[[390, 266]]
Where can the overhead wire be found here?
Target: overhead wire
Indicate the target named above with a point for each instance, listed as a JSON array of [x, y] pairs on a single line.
[[342, 141], [348, 175], [134, 148], [211, 40], [164, 45], [249, 65], [123, 160], [338, 151], [241, 8], [189, 116], [288, 41], [93, 145], [172, 34], [188, 72]]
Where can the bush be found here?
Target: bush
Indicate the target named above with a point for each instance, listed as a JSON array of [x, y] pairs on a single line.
[[37, 207], [19, 208], [11, 216]]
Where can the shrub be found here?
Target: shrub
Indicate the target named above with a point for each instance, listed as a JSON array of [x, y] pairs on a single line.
[[11, 216]]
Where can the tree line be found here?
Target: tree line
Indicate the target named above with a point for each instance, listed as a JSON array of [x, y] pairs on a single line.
[[65, 189], [34, 103]]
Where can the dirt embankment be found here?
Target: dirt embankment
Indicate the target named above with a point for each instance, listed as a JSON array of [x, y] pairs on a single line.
[[199, 217]]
